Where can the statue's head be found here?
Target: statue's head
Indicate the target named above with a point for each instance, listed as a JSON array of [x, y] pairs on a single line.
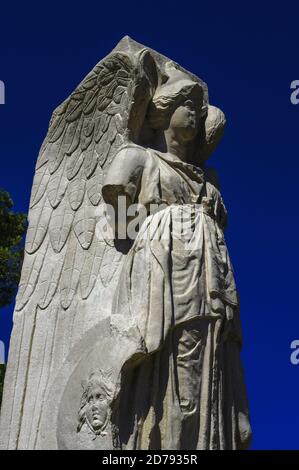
[[96, 400], [179, 104]]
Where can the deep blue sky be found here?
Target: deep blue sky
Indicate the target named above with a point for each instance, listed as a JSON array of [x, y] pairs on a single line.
[[247, 52]]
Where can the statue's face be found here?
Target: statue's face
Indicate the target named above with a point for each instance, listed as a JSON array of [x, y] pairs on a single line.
[[97, 406], [184, 121]]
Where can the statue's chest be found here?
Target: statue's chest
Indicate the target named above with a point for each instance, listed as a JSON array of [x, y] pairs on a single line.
[[178, 188]]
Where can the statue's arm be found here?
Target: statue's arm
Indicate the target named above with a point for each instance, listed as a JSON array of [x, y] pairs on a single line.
[[123, 179], [124, 176]]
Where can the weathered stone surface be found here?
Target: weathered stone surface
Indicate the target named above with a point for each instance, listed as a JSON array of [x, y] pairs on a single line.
[[126, 329], [93, 366]]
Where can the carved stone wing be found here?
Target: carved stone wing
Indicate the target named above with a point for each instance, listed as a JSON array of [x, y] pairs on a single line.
[[64, 259]]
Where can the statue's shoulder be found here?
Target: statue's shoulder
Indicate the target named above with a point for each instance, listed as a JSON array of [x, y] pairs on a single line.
[[129, 157], [131, 151]]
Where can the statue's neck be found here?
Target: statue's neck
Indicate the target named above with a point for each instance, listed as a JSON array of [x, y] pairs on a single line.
[[168, 143]]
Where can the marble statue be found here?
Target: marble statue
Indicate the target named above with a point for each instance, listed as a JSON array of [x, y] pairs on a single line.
[[126, 327]]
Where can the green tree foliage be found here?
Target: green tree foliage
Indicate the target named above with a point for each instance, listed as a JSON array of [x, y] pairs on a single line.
[[12, 228]]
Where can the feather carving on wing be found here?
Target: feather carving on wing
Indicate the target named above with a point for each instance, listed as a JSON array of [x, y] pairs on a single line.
[[64, 258]]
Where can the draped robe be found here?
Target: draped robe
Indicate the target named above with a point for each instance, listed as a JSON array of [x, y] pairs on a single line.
[[177, 285]]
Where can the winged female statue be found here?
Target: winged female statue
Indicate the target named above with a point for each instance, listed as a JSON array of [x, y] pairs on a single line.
[[138, 128]]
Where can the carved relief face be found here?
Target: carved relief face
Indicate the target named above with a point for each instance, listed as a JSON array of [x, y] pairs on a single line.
[[97, 406], [185, 120], [96, 402]]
